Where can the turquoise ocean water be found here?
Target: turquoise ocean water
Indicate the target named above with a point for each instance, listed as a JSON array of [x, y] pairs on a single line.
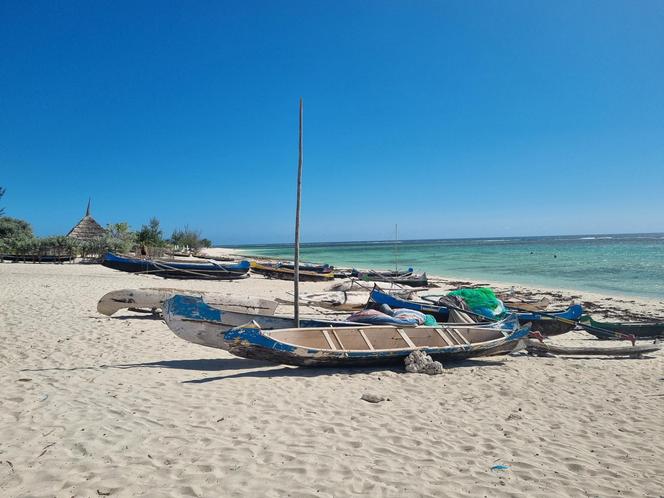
[[612, 264]]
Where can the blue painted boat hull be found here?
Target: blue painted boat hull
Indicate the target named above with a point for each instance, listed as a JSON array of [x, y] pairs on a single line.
[[177, 269], [192, 319]]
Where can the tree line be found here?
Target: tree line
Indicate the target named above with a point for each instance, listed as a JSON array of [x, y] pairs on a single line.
[[17, 238]]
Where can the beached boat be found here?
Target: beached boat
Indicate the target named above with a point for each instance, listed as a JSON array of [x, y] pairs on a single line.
[[283, 273], [332, 300], [551, 323], [354, 284], [317, 268], [524, 304], [365, 345], [640, 330], [210, 270], [404, 278], [152, 299], [37, 258], [194, 320]]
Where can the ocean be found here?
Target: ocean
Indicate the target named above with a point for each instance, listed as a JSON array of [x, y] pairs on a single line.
[[627, 265]]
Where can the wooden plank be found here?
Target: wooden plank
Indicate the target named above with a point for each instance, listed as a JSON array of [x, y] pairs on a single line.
[[329, 340], [450, 337], [442, 336], [334, 332], [403, 335], [366, 339], [459, 334]]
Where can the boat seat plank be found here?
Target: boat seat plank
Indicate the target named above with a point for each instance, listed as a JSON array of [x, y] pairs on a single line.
[[405, 337], [451, 338], [445, 339], [336, 336], [459, 334], [326, 334], [366, 339]]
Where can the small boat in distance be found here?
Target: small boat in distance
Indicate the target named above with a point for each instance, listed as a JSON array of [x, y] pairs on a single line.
[[398, 277], [210, 270], [366, 345], [640, 330], [284, 273]]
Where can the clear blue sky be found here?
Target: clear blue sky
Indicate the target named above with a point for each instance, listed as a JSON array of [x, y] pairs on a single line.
[[452, 119]]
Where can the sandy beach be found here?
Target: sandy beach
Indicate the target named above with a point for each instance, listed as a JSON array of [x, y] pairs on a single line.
[[98, 406]]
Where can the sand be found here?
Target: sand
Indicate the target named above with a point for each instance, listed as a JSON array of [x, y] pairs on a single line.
[[97, 406]]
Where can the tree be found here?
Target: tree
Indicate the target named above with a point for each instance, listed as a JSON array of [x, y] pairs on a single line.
[[151, 235], [119, 237], [13, 228], [2, 192]]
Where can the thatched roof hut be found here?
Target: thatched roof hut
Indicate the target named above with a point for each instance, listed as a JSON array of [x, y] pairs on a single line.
[[87, 228]]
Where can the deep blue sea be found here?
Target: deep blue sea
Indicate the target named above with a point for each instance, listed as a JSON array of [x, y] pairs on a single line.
[[613, 264]]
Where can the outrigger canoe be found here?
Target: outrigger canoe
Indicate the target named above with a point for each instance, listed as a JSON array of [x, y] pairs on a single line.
[[549, 324], [152, 299], [284, 273], [404, 278], [640, 330], [211, 270], [366, 345]]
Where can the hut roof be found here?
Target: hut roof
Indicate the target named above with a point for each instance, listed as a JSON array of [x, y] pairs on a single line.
[[87, 228]]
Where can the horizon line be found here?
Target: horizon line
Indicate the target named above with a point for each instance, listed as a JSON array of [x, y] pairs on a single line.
[[496, 237]]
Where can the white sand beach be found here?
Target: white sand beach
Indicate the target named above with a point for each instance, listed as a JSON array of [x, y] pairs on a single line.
[[119, 406]]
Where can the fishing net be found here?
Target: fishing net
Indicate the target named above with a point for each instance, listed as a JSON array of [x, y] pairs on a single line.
[[481, 300]]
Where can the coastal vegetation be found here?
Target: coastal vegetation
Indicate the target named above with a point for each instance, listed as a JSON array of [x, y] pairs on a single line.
[[17, 239]]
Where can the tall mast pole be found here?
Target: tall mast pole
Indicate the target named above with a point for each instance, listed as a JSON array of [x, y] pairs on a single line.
[[296, 279]]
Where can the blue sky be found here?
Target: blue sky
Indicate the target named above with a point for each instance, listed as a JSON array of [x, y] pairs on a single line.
[[452, 119]]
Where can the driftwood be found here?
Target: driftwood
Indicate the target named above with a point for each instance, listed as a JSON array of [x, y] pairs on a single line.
[[536, 347]]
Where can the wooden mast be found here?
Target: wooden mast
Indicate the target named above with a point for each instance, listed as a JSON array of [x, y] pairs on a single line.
[[296, 279]]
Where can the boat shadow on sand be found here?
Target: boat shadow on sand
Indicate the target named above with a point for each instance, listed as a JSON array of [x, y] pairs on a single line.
[[264, 369]]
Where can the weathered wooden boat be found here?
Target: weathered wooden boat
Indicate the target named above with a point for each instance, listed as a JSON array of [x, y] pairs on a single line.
[[640, 330], [152, 299], [210, 270], [365, 345], [37, 258], [524, 304], [549, 324], [280, 272], [539, 348], [332, 300], [382, 273], [317, 268], [194, 320], [404, 278], [354, 284]]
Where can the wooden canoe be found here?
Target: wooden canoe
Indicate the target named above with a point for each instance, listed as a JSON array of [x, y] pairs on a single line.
[[152, 299], [410, 279], [640, 330], [192, 319], [365, 345], [332, 300], [538, 348], [276, 271], [210, 270], [526, 305]]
